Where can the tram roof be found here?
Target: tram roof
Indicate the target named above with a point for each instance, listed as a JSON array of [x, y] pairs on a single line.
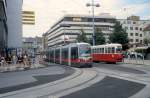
[[70, 44], [73, 44], [107, 45]]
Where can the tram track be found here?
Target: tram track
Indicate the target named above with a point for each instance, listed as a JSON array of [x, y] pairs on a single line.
[[83, 85], [74, 75], [72, 89], [80, 77]]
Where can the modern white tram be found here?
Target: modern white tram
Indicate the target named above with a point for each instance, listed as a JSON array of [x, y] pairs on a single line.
[[74, 54]]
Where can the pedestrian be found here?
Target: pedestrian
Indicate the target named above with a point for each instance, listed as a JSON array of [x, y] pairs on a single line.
[[3, 62], [8, 59], [14, 59], [25, 60]]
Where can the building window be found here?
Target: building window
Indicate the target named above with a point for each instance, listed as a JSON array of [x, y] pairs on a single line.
[[129, 22], [131, 34], [141, 41], [137, 40], [140, 35], [131, 28], [77, 19], [136, 34], [134, 22], [140, 29], [126, 28], [136, 28], [131, 40]]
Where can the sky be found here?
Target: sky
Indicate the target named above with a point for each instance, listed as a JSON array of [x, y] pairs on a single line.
[[47, 12]]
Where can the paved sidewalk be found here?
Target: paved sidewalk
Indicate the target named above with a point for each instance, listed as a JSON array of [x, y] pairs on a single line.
[[138, 61], [18, 67], [16, 81]]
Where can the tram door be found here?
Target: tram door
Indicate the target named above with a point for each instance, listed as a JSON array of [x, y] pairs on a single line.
[[57, 55], [74, 55], [65, 55]]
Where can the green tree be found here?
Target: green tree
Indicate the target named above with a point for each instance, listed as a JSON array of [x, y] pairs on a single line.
[[82, 36], [119, 35], [99, 37], [146, 41]]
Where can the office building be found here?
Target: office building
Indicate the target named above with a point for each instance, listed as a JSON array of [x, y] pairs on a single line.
[[69, 27], [3, 26], [11, 24]]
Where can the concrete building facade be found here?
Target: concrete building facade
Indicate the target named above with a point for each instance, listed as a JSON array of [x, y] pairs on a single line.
[[69, 27], [135, 29]]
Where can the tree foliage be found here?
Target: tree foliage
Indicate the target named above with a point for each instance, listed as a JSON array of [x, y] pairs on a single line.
[[82, 36], [119, 35], [99, 37], [146, 41]]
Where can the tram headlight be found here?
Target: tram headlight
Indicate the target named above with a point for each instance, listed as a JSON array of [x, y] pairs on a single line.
[[112, 56]]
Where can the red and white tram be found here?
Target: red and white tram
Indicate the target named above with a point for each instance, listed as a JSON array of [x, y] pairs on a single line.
[[110, 53], [74, 54]]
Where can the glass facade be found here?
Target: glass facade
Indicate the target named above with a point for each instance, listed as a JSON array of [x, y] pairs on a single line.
[[3, 26]]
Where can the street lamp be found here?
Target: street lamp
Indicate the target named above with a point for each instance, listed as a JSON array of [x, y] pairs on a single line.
[[93, 26]]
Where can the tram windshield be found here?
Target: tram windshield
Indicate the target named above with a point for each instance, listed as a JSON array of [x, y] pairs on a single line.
[[118, 49], [85, 50]]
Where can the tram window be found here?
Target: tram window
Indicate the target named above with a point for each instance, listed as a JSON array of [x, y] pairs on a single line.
[[74, 52], [102, 50], [109, 50], [65, 53], [57, 53], [118, 49], [93, 50], [106, 50], [84, 50], [113, 49], [98, 50]]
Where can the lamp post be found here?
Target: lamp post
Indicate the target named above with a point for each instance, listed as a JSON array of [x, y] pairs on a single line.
[[93, 25]]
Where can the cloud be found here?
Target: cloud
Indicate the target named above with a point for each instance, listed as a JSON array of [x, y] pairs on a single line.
[[49, 11], [132, 9]]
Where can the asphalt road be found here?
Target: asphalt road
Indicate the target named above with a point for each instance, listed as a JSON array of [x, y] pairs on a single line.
[[109, 87], [118, 67], [113, 87], [34, 77], [110, 81]]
